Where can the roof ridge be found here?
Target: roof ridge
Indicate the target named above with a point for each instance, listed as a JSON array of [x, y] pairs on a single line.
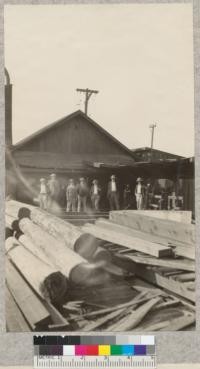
[[63, 120]]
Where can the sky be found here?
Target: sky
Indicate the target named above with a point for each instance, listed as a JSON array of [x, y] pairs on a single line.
[[139, 57]]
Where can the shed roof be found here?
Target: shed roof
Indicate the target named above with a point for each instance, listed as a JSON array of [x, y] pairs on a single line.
[[42, 160]]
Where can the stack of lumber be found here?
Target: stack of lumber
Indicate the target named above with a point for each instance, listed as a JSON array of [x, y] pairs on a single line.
[[157, 249], [106, 276]]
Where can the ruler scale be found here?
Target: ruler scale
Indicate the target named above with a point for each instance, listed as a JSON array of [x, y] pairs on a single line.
[[94, 352], [95, 362]]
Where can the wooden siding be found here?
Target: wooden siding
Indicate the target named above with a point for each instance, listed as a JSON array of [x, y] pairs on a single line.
[[75, 136]]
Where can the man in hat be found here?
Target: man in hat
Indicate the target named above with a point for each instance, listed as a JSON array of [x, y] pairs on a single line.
[[83, 192], [139, 194], [127, 197], [71, 196], [54, 189], [95, 194], [113, 193], [43, 195]]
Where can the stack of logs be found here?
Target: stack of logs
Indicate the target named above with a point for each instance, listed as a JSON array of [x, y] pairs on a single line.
[[61, 277]]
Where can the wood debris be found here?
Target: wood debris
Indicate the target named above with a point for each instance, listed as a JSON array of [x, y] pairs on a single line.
[[131, 272]]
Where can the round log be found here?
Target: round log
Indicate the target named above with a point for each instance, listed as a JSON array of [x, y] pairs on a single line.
[[17, 209], [9, 221], [8, 232], [45, 279], [81, 242], [71, 264], [30, 246]]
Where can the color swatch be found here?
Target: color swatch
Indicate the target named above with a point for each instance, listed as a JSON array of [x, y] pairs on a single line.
[[94, 345]]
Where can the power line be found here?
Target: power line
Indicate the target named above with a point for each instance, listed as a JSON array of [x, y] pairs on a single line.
[[88, 93], [152, 127]]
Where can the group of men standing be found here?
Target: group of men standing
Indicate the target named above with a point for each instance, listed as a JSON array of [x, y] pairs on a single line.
[[49, 192], [76, 195]]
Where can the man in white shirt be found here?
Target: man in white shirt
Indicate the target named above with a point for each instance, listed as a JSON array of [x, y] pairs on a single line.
[[95, 194], [43, 195], [139, 194], [54, 190], [113, 193], [71, 196]]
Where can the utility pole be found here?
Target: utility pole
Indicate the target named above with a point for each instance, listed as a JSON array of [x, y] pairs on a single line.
[[88, 93], [152, 127]]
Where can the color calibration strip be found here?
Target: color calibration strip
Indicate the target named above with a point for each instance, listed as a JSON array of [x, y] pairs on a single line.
[[94, 352]]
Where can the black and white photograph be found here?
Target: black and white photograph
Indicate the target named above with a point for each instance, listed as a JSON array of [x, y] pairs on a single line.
[[99, 156]]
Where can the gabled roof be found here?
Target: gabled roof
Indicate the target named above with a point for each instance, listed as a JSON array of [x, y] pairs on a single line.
[[64, 120]]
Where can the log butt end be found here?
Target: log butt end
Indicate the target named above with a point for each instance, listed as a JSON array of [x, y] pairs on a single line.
[[54, 287], [86, 245], [89, 275], [24, 213]]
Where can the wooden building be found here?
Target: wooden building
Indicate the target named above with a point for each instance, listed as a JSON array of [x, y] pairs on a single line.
[[144, 154], [72, 147], [77, 146]]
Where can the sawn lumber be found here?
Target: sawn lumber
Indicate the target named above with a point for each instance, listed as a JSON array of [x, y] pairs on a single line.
[[28, 302], [127, 241], [177, 231], [182, 264], [167, 283]]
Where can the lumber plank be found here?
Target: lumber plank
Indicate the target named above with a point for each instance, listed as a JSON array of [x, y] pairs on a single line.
[[112, 225], [15, 321], [26, 299], [165, 228], [143, 296], [185, 264], [190, 285], [101, 321], [135, 317], [58, 320], [169, 284], [187, 252], [179, 323], [130, 242], [167, 272], [166, 304], [179, 248], [185, 277], [183, 216], [156, 326]]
